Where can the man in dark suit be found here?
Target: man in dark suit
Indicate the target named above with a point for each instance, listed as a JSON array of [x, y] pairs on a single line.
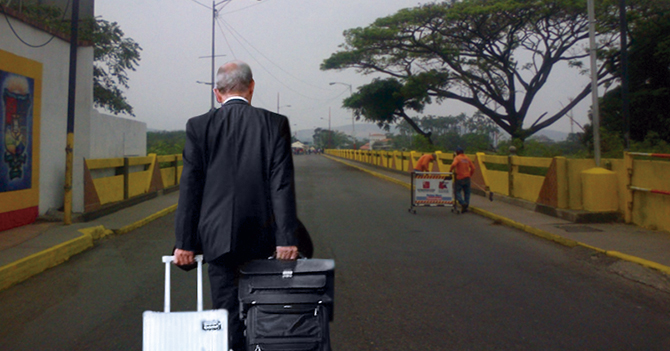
[[237, 190]]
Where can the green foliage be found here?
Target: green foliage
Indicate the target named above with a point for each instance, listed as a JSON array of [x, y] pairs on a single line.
[[384, 102], [571, 147], [377, 102], [329, 139], [113, 54], [649, 73], [494, 55], [473, 133], [612, 144], [166, 143], [422, 144]]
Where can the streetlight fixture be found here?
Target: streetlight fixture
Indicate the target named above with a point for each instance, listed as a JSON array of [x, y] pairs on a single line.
[[278, 104], [282, 106], [353, 126]]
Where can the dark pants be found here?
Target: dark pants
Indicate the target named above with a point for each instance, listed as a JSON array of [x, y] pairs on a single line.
[[223, 277], [463, 185]]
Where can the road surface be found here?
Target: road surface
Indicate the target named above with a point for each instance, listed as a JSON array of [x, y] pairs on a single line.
[[430, 281]]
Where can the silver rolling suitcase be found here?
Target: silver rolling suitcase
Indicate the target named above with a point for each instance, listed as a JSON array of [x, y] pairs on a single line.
[[197, 330]]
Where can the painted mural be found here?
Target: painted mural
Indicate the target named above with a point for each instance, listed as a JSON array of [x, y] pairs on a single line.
[[16, 105]]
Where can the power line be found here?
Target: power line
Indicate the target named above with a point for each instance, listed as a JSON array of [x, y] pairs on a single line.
[[227, 2], [201, 4], [244, 8], [269, 60], [21, 39], [281, 69], [233, 31], [226, 39]]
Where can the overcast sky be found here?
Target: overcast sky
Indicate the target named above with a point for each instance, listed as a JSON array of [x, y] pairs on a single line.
[[284, 42]]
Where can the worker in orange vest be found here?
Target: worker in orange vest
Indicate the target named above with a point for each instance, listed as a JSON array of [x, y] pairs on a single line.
[[464, 169], [423, 165]]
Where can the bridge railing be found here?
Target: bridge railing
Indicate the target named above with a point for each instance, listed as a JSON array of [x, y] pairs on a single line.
[[114, 180], [640, 185], [647, 187]]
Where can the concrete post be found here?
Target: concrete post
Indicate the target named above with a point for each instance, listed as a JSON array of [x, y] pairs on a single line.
[[628, 208], [562, 188]]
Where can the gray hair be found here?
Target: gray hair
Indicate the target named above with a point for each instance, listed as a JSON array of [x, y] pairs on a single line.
[[234, 76]]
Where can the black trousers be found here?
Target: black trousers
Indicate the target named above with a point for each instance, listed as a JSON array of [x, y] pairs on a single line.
[[223, 279]]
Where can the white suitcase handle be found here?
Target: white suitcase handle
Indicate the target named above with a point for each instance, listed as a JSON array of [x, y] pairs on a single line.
[[168, 260]]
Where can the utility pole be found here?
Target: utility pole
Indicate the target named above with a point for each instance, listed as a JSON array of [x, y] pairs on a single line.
[[213, 53], [212, 81], [278, 104], [594, 83], [353, 126], [69, 148], [624, 73]]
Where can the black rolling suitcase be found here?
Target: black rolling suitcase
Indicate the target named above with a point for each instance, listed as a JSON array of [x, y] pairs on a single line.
[[287, 305]]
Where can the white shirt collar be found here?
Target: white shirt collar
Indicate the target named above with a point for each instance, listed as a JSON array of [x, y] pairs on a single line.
[[236, 98]]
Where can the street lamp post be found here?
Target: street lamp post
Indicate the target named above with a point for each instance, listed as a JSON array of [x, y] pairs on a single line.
[[353, 126], [330, 132], [278, 104], [594, 82]]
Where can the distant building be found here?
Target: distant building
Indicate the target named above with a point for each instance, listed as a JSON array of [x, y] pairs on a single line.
[[378, 142]]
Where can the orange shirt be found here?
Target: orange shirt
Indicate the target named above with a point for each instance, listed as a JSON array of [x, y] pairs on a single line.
[[464, 167], [424, 161]]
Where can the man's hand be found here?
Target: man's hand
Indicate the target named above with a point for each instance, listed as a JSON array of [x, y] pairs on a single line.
[[287, 252], [183, 257]]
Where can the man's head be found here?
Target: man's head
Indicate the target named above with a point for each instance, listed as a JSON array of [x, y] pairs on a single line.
[[459, 150], [234, 79]]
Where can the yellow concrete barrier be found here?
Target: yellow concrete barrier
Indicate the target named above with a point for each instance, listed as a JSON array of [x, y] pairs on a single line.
[[600, 190]]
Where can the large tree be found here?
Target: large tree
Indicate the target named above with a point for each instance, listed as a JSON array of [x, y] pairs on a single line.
[[495, 55]]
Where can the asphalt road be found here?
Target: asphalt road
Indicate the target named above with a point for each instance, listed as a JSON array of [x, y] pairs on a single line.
[[430, 281]]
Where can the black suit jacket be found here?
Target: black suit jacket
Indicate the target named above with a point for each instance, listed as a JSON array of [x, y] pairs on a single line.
[[237, 190]]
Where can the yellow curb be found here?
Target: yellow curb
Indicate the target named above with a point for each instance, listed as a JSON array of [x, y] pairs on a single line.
[[526, 228], [145, 221], [640, 261], [532, 230], [96, 233], [25, 268]]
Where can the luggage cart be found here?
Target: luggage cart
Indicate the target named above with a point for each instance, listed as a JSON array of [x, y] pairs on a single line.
[[432, 189]]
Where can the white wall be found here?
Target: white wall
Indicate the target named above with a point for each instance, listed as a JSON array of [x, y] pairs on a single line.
[[113, 136], [55, 58]]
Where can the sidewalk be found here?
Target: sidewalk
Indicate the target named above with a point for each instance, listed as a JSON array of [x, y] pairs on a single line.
[[626, 242], [29, 250]]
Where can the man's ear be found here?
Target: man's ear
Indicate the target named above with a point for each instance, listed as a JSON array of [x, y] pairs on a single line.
[[252, 86], [219, 96]]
